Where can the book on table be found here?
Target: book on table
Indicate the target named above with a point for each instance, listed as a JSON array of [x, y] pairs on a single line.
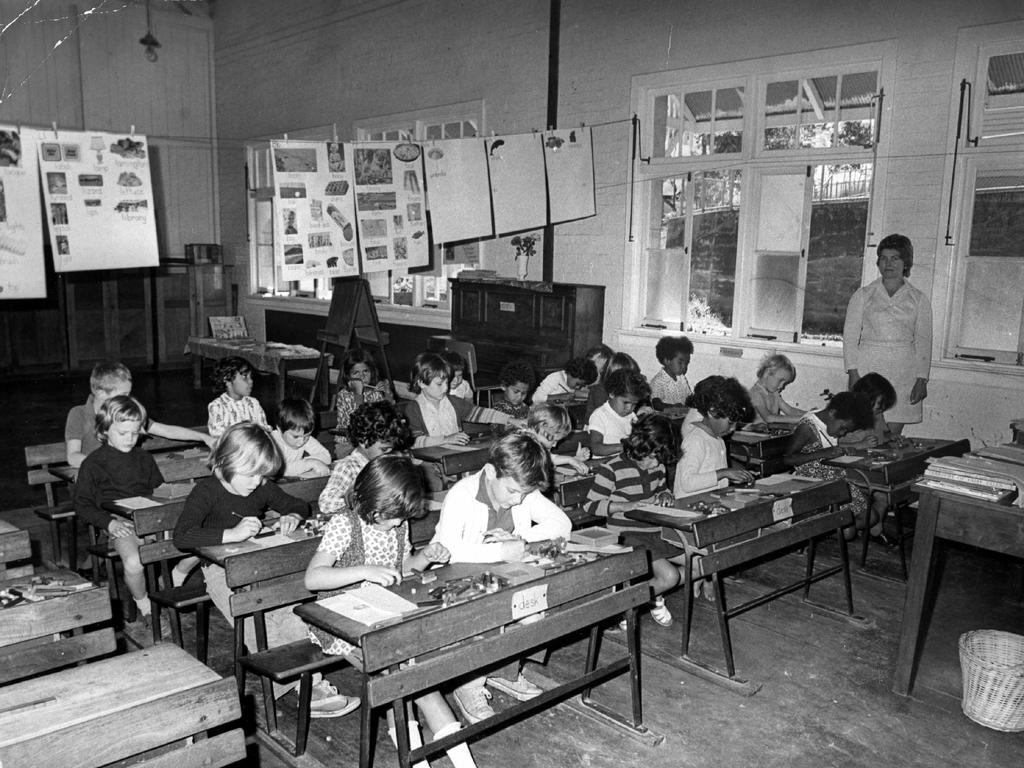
[[369, 604], [985, 493]]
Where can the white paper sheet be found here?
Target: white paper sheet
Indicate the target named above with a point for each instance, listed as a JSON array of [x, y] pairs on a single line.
[[569, 160], [22, 272], [516, 165], [368, 604], [458, 193], [136, 502]]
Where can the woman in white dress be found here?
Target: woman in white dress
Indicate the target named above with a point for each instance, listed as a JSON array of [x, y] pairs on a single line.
[[888, 330]]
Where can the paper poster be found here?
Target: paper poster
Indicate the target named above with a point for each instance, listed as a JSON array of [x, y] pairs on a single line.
[[314, 216], [391, 205], [569, 159], [516, 165], [22, 272], [99, 199], [457, 189]]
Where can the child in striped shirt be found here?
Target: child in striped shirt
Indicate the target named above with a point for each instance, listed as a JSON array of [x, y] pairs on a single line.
[[233, 375]]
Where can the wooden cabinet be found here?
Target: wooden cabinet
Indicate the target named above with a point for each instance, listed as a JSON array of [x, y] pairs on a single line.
[[186, 297], [542, 323]]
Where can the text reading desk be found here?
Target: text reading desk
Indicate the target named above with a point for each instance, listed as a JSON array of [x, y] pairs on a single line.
[[265, 357], [466, 638], [120, 707], [891, 471], [760, 528], [950, 517]]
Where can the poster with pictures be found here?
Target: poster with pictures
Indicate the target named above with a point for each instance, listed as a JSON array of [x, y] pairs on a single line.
[[99, 199], [569, 160], [314, 219], [390, 205], [516, 165], [22, 272], [457, 189]]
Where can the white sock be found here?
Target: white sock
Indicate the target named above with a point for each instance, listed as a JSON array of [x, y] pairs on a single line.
[[178, 577], [415, 741], [460, 755], [145, 607]]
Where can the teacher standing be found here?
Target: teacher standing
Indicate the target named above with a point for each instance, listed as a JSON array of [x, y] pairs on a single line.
[[888, 330]]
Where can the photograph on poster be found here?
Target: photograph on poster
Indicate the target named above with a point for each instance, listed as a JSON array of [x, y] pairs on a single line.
[[129, 148], [401, 249], [319, 239], [51, 152], [294, 160], [376, 252], [57, 183], [336, 188], [72, 153], [10, 149], [339, 218], [128, 179], [58, 213], [335, 157], [90, 180], [293, 190], [397, 219], [289, 221], [414, 211], [293, 254], [375, 228], [62, 245], [376, 201], [373, 166]]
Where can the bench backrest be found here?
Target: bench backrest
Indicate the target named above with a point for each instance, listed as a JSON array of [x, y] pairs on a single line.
[[269, 578]]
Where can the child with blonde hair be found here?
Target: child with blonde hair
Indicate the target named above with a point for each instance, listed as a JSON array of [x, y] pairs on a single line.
[[774, 373]]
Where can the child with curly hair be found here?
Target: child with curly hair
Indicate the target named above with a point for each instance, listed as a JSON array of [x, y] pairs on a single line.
[[577, 374], [613, 421], [516, 379]]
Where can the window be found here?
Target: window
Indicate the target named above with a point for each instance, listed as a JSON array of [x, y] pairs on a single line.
[[762, 238], [986, 319], [456, 121]]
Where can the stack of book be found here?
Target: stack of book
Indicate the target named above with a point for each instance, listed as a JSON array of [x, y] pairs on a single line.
[[973, 476]]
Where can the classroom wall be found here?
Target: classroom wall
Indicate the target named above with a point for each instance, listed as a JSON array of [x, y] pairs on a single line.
[[325, 62]]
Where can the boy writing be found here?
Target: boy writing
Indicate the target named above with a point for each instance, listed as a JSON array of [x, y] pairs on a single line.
[[490, 517], [302, 453]]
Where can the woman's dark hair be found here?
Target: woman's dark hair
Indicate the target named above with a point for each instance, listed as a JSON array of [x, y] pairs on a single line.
[[378, 422], [719, 396], [652, 435], [876, 387], [581, 368], [625, 382], [853, 407], [226, 370], [516, 372], [901, 244], [388, 488]]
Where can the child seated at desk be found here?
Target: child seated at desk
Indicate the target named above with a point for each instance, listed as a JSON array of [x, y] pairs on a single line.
[[436, 417], [774, 374], [228, 507], [882, 396], [669, 386], [598, 394], [516, 379], [613, 421], [110, 379], [551, 424], [637, 475], [576, 375], [370, 542], [816, 438], [375, 429], [458, 386], [489, 517], [233, 375], [118, 469], [361, 384], [301, 452]]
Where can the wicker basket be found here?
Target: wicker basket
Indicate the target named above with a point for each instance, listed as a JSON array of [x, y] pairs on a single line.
[[993, 670]]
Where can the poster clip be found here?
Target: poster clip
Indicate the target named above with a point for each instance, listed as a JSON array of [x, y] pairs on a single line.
[[285, 136], [131, 133], [583, 125], [55, 135], [334, 127]]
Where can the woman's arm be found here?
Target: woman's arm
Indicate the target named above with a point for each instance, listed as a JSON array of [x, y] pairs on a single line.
[[852, 328], [804, 435], [922, 350]]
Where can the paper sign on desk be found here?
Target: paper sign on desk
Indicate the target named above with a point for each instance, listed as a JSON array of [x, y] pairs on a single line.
[[782, 510], [369, 604], [136, 502], [848, 460], [271, 540], [529, 601], [681, 514]]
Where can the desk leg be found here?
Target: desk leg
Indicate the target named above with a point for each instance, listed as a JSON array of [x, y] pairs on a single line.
[[917, 591], [197, 370]]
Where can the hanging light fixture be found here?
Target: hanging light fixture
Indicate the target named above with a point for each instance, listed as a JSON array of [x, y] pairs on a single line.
[[148, 40]]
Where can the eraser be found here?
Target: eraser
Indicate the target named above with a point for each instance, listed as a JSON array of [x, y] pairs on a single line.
[[427, 577]]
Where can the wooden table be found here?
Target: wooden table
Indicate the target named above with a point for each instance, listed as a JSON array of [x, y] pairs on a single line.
[[760, 452], [175, 466], [15, 551], [263, 356], [466, 637], [109, 710], [944, 516], [891, 471], [759, 528]]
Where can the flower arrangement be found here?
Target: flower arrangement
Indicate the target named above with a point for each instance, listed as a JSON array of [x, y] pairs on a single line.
[[526, 247]]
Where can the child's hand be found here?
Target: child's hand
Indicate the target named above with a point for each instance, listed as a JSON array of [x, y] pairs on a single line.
[[287, 524], [579, 466], [436, 552], [644, 409], [665, 499], [495, 535], [118, 529], [582, 452], [314, 466], [517, 423], [356, 386], [247, 528], [459, 438], [211, 441], [378, 574], [735, 475]]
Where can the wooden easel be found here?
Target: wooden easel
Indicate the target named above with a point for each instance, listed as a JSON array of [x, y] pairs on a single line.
[[351, 324]]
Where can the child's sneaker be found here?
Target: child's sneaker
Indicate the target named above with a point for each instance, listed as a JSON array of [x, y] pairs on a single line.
[[660, 612], [327, 702], [521, 689], [471, 700]]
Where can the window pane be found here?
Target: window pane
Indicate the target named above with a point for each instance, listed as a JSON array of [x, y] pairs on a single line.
[[728, 120], [780, 108], [817, 112], [1005, 87], [839, 214], [666, 256], [453, 130], [716, 219], [434, 132], [997, 226], [856, 109], [666, 126], [468, 129], [696, 139]]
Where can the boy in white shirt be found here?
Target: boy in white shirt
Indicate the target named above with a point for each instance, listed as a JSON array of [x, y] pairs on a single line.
[[303, 454], [614, 420]]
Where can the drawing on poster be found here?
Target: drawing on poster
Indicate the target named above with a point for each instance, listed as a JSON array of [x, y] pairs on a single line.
[[374, 228], [414, 211], [376, 252], [401, 249], [336, 188], [349, 256], [289, 221], [3, 202], [376, 201], [72, 153], [10, 149], [58, 213], [397, 220], [51, 152], [335, 157], [293, 254], [412, 182], [294, 159], [373, 166], [62, 245], [293, 190], [57, 183], [339, 218], [419, 234]]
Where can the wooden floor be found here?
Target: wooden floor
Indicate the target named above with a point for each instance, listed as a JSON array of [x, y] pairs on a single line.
[[824, 697]]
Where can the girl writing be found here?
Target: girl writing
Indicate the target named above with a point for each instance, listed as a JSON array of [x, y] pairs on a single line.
[[613, 421], [774, 374], [551, 424]]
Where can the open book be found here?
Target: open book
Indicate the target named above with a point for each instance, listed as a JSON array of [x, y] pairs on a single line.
[[369, 604]]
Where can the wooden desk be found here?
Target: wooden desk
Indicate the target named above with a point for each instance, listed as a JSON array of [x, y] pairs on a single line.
[[261, 356], [465, 638], [891, 471], [950, 517], [759, 529], [15, 551], [175, 466], [123, 706], [760, 452]]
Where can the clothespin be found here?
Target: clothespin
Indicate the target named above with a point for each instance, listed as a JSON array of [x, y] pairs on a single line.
[[131, 133], [334, 133], [54, 124], [285, 136]]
